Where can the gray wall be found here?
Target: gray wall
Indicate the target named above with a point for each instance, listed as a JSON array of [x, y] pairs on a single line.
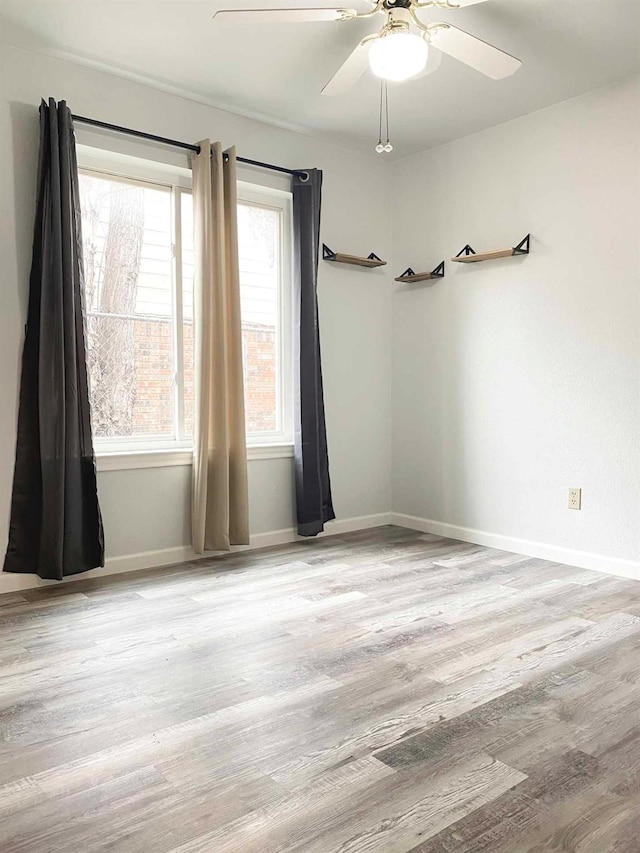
[[516, 379]]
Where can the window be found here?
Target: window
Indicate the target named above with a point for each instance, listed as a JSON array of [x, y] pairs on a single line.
[[264, 246], [138, 257]]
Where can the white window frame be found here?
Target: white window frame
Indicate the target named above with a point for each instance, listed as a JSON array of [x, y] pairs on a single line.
[[144, 443], [150, 452]]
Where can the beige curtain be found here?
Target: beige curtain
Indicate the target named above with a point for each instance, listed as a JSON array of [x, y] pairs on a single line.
[[220, 506]]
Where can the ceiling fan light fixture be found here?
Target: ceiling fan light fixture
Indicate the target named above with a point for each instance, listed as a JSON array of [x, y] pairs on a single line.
[[398, 55]]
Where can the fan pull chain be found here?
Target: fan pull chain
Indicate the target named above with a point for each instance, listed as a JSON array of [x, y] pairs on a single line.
[[384, 147]]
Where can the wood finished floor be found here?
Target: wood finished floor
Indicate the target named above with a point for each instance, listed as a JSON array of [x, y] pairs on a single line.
[[380, 692]]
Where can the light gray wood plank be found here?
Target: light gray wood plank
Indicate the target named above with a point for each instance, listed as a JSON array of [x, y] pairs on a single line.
[[385, 690]]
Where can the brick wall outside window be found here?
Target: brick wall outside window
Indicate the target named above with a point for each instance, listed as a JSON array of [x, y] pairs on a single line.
[[153, 364], [259, 346]]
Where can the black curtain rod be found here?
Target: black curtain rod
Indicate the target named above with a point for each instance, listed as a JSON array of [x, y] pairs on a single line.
[[177, 144]]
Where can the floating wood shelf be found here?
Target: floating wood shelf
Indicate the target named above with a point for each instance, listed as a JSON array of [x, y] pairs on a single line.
[[411, 277], [339, 258], [468, 256]]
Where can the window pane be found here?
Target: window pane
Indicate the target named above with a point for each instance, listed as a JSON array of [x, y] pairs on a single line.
[[126, 231], [259, 253], [186, 211], [131, 367], [259, 249]]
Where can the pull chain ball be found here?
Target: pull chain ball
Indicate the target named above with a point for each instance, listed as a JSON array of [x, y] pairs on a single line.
[[384, 147]]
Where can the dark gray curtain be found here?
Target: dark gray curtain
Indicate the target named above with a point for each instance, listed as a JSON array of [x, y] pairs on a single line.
[[313, 485], [56, 526]]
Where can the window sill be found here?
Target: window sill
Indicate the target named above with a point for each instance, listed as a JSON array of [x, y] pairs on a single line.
[[282, 450], [127, 460]]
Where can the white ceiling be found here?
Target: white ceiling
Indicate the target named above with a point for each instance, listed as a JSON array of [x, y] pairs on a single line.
[[276, 72]]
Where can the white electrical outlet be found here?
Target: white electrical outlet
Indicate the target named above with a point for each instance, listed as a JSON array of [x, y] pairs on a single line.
[[575, 498]]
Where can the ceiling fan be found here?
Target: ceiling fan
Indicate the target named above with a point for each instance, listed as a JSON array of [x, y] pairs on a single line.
[[400, 50]]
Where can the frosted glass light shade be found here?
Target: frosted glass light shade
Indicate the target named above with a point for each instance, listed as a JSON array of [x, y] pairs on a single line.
[[398, 55]]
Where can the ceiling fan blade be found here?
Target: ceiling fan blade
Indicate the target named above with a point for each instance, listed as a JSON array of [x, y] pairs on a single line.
[[446, 5], [282, 16], [474, 52], [350, 71], [459, 3]]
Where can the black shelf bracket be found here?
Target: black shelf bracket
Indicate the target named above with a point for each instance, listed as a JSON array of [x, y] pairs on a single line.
[[374, 257], [523, 246], [466, 251]]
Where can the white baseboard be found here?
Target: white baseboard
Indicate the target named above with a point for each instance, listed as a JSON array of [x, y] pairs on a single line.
[[556, 553], [184, 553]]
